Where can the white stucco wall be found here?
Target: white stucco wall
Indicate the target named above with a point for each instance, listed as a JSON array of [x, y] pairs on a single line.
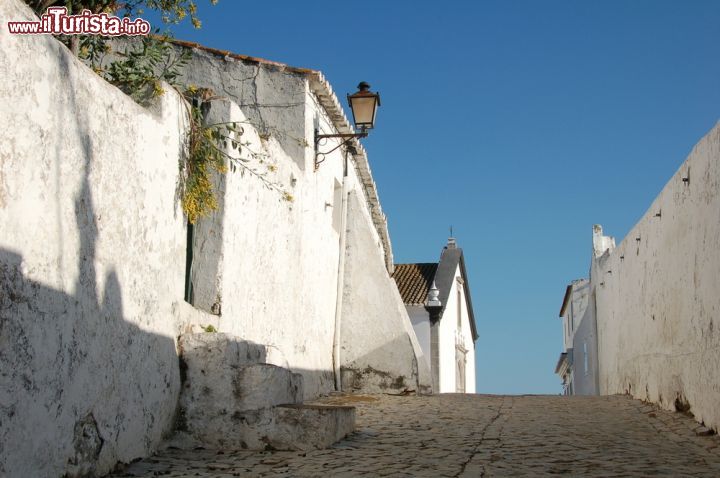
[[279, 271], [277, 260], [657, 311], [91, 263], [379, 349], [273, 98]]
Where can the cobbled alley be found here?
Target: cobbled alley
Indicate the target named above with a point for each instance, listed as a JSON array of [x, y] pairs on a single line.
[[477, 435]]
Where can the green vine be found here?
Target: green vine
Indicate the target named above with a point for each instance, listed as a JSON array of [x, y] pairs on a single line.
[[211, 148], [139, 72]]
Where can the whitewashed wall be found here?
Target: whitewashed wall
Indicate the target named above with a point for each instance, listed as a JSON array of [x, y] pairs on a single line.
[[379, 351], [91, 263], [270, 265], [658, 311], [278, 273]]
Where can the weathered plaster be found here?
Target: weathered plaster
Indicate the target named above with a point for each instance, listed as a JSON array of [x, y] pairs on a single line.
[[92, 254], [270, 266], [91, 262], [284, 102], [377, 336], [657, 295]]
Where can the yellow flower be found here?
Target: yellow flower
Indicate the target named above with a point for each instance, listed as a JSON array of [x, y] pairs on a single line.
[[158, 89]]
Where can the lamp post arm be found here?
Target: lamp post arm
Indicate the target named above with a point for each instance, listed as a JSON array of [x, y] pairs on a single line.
[[362, 134], [319, 137]]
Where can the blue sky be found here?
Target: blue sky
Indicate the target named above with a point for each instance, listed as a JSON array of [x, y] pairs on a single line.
[[519, 123]]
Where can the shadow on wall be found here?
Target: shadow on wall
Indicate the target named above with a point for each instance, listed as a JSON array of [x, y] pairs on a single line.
[[80, 388], [74, 389], [363, 375], [205, 254]]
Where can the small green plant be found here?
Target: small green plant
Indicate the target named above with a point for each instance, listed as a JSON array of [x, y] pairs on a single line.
[[209, 328], [139, 72]]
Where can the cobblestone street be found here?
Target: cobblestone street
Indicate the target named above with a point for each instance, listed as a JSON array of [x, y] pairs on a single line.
[[478, 435]]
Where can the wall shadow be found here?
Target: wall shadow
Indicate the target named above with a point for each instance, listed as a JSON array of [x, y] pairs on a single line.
[[81, 388]]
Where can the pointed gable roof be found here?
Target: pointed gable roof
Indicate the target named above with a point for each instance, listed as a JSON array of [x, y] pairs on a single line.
[[451, 258]]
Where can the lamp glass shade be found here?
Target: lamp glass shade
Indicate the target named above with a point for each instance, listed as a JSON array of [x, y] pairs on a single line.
[[364, 107]]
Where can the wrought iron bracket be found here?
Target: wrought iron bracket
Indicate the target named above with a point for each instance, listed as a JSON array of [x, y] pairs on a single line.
[[347, 137]]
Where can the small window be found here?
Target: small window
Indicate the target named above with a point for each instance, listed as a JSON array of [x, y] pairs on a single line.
[[585, 357]]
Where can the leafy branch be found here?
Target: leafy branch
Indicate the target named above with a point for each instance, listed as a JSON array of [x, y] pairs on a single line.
[[211, 148], [140, 72]]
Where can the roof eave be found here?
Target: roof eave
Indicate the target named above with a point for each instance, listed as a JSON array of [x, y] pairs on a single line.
[[566, 300], [321, 88]]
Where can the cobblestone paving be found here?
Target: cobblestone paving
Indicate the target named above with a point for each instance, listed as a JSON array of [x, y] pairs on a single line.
[[478, 435]]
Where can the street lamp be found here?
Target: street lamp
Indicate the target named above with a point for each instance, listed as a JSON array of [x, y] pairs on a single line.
[[363, 104]]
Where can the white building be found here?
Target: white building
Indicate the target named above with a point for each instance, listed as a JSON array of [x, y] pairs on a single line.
[[577, 365], [438, 300]]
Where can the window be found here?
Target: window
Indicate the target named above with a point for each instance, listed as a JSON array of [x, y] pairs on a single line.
[[585, 357]]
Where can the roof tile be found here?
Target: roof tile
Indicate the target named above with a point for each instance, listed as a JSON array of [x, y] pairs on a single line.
[[414, 281]]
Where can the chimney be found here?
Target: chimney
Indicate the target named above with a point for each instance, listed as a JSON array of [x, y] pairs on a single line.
[[601, 243]]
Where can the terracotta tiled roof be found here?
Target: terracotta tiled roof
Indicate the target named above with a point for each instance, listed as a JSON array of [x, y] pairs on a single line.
[[414, 281]]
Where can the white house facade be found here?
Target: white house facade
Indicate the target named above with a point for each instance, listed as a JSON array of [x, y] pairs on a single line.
[[438, 300], [577, 365]]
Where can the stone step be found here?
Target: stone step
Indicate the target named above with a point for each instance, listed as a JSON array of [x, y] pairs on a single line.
[[217, 393], [215, 349], [311, 427], [221, 375], [230, 399], [285, 427], [264, 385]]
